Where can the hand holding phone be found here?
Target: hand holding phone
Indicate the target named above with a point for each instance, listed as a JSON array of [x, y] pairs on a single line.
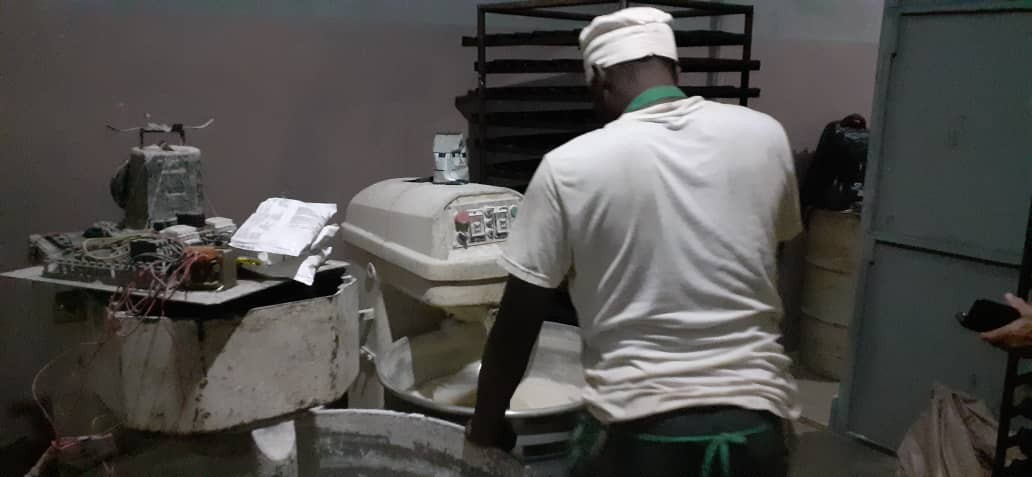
[[987, 315], [1015, 337]]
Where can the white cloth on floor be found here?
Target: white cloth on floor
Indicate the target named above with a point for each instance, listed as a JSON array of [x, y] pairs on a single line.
[[627, 35], [954, 437]]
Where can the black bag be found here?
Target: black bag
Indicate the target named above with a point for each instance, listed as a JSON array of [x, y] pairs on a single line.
[[835, 178]]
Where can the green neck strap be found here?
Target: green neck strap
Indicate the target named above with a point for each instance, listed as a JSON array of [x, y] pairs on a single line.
[[653, 95], [719, 444]]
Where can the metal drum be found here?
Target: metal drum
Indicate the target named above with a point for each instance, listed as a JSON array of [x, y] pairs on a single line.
[[373, 443], [542, 431], [829, 285]]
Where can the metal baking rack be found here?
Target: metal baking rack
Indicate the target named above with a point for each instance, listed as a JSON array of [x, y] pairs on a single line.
[[1009, 432], [512, 124]]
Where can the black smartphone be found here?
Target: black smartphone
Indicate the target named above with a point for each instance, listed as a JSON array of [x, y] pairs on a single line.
[[987, 315]]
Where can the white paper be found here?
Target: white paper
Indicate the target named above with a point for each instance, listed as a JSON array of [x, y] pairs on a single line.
[[301, 268], [283, 226]]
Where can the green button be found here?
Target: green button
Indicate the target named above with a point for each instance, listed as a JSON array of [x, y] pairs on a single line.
[[512, 211]]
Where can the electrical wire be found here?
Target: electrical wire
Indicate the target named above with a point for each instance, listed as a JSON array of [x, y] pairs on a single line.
[[163, 278], [122, 248], [171, 267], [121, 303], [35, 382]]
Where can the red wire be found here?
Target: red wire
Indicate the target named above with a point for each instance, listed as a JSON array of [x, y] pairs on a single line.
[[158, 291]]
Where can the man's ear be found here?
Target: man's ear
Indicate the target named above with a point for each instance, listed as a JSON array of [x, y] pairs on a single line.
[[599, 77]]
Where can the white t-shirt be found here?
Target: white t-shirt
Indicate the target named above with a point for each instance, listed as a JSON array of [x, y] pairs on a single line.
[[667, 222]]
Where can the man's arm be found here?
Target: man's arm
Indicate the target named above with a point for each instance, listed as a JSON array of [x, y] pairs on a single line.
[[538, 257], [506, 355]]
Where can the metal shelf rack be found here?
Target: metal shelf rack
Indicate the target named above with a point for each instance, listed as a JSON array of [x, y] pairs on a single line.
[[1009, 410], [512, 125]]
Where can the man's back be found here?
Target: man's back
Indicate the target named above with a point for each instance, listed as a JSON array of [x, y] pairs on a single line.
[[670, 218]]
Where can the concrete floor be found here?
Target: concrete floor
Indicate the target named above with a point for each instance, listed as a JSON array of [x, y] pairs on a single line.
[[826, 454], [822, 453], [815, 395]]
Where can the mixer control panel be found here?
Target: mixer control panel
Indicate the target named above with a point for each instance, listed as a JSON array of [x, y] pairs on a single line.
[[478, 224]]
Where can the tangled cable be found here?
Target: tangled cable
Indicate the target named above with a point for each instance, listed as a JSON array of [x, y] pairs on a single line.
[[161, 273]]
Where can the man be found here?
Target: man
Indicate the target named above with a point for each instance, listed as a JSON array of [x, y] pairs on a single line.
[[666, 222], [1017, 336]]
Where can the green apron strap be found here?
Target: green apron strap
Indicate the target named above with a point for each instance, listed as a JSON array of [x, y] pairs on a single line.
[[718, 444], [653, 95], [584, 439]]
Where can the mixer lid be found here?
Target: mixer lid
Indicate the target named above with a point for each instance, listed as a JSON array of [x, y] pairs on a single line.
[[438, 232]]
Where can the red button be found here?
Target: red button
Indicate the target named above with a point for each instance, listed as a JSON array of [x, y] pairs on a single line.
[[462, 218]]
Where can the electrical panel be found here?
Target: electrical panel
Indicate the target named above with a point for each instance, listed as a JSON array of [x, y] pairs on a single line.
[[482, 223]]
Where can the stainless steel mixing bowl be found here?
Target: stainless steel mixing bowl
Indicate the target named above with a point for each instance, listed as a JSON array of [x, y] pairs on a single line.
[[556, 357]]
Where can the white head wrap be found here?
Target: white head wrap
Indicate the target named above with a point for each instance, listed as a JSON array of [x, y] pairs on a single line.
[[627, 35]]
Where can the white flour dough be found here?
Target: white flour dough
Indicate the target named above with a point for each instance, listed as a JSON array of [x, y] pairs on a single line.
[[537, 393], [460, 389]]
